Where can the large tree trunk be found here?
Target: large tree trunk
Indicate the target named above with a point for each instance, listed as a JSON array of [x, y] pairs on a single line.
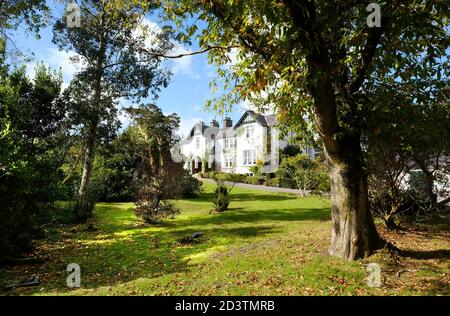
[[354, 234], [353, 231], [84, 204]]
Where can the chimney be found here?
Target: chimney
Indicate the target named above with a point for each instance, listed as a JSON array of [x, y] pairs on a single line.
[[227, 122], [214, 123]]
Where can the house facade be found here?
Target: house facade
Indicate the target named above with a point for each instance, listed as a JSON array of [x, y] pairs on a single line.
[[234, 148]]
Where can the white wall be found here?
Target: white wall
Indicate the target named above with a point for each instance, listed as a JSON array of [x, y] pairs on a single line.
[[241, 143]]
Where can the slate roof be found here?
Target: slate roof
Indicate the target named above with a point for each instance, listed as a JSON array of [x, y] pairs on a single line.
[[264, 120]]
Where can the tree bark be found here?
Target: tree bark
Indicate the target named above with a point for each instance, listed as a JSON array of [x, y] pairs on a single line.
[[353, 231], [429, 179], [84, 204]]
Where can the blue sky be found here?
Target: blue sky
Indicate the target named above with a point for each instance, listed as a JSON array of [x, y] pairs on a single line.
[[186, 94]]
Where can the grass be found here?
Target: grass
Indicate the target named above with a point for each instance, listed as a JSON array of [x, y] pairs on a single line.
[[266, 244]]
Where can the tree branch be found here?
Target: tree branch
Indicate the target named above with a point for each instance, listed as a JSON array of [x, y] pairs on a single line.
[[163, 55]]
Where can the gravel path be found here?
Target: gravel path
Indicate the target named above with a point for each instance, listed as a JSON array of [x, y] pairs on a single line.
[[260, 187]]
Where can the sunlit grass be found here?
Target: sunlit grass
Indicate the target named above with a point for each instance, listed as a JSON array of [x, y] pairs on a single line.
[[266, 244]]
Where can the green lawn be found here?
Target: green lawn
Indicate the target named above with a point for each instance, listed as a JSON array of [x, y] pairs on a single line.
[[266, 244]]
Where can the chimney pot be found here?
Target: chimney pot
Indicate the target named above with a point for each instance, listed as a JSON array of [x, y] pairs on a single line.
[[227, 122], [214, 123]]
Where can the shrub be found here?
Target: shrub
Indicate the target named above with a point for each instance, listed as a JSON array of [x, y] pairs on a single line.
[[280, 182], [259, 180], [157, 185], [306, 174], [221, 197], [223, 176], [286, 183], [190, 187], [240, 177]]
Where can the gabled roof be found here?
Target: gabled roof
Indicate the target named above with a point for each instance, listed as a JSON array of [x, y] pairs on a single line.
[[202, 127], [271, 119], [264, 120]]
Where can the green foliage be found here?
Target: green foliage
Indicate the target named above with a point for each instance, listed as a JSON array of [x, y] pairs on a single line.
[[221, 199], [411, 137], [115, 62], [291, 150], [260, 180], [29, 14], [280, 182], [306, 174], [116, 166], [190, 187], [32, 142], [159, 179]]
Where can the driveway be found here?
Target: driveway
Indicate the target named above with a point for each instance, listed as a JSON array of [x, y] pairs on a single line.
[[260, 187]]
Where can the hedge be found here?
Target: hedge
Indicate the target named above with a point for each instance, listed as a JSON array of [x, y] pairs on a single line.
[[281, 183], [255, 180]]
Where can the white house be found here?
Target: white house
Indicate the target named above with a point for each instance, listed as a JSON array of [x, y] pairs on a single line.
[[234, 149]]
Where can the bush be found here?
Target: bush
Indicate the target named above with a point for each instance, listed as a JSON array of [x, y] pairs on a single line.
[[241, 178], [190, 187], [157, 186], [221, 198], [286, 183], [209, 175], [323, 182], [223, 176], [280, 182], [259, 180]]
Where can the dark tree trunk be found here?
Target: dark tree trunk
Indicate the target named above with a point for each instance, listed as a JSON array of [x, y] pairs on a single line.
[[353, 231], [84, 204], [429, 180]]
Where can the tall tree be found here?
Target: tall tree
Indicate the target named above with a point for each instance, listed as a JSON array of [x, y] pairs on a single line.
[[118, 61], [156, 132], [160, 178], [318, 59]]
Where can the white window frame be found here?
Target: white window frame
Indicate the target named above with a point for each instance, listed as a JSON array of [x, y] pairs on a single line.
[[228, 162], [249, 131], [249, 157], [228, 143]]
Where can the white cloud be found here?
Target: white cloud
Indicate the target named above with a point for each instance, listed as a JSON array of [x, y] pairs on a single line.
[[182, 65], [31, 70], [57, 60], [124, 119], [64, 60]]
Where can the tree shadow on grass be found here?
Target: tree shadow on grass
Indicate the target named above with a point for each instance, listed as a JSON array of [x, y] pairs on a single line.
[[209, 196], [231, 216], [255, 216], [426, 254], [117, 260]]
